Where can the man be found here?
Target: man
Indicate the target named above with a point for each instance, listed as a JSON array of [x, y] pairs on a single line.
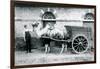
[[27, 38]]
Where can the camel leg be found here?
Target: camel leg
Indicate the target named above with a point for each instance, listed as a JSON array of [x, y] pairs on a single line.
[[46, 48], [66, 47], [62, 49]]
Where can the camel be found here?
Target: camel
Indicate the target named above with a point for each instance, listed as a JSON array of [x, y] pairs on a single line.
[[52, 33]]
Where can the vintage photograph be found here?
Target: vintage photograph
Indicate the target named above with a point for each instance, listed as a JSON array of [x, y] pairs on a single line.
[[52, 34]]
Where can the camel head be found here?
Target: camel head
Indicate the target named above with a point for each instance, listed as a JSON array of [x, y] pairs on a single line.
[[35, 25]]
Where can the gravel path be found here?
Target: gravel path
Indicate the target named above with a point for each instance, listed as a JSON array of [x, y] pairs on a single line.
[[39, 57]]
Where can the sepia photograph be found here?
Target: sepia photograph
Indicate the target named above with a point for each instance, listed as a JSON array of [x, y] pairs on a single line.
[[48, 33]]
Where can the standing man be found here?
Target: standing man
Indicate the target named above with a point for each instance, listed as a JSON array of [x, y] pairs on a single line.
[[27, 39]]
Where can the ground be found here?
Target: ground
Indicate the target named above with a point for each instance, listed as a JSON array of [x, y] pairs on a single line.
[[39, 57]]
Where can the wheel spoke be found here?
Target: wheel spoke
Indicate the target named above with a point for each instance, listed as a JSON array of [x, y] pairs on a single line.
[[84, 48], [85, 42], [82, 39], [75, 43], [76, 40], [76, 46], [79, 49]]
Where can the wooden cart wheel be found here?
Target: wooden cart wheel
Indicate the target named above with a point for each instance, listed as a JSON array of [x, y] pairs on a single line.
[[80, 44]]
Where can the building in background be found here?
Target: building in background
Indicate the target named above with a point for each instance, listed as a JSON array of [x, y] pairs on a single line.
[[60, 17]]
